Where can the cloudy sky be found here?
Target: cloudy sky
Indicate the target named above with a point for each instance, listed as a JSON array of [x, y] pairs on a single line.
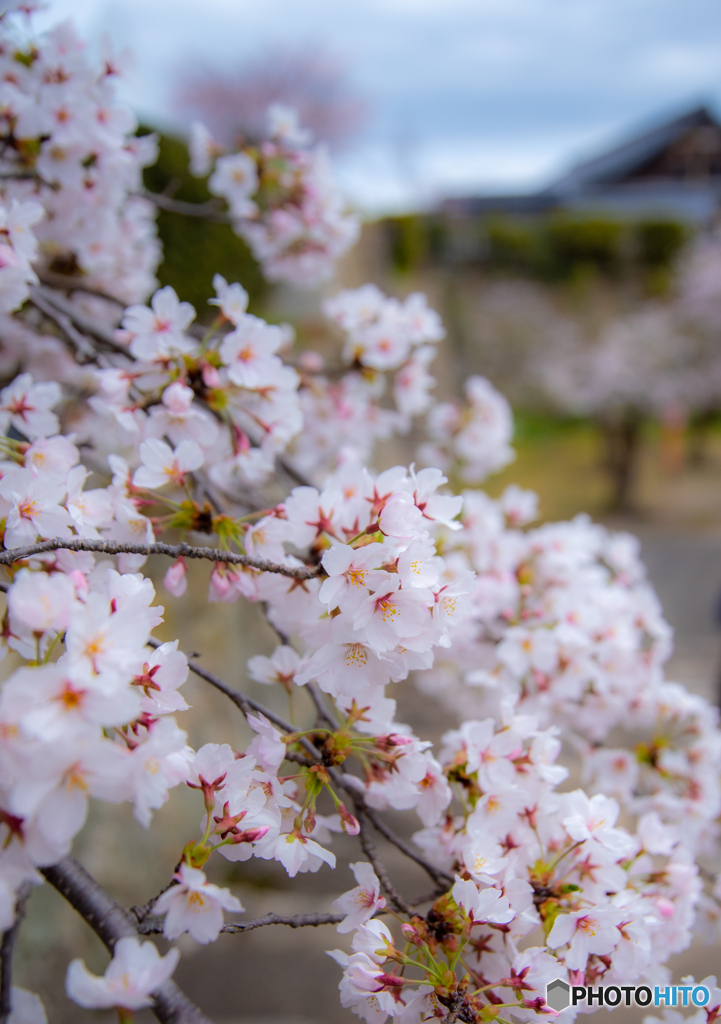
[[465, 95]]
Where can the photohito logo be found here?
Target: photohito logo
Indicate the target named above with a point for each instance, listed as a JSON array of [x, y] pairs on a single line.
[[559, 995]]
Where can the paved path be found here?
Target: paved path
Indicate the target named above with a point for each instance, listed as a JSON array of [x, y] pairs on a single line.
[[686, 572]]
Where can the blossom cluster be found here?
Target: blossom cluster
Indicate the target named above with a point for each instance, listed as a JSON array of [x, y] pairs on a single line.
[[347, 412], [142, 427], [69, 146], [547, 886], [281, 198], [472, 439]]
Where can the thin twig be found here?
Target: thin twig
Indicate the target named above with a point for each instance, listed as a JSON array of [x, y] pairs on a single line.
[[140, 912], [73, 283], [20, 176], [83, 322], [205, 211], [320, 707], [429, 897], [246, 703], [112, 547], [439, 876], [111, 922], [378, 866], [154, 926], [6, 952], [79, 342]]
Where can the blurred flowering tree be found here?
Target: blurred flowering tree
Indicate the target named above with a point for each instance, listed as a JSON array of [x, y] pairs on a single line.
[[128, 431], [662, 360], [234, 103]]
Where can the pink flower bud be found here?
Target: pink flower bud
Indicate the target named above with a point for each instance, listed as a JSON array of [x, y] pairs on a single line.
[[251, 835], [80, 582], [664, 906], [211, 376], [411, 934], [219, 583], [311, 361], [175, 581], [349, 824], [178, 398]]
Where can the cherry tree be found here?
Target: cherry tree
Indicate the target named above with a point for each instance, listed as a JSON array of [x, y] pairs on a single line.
[[129, 431]]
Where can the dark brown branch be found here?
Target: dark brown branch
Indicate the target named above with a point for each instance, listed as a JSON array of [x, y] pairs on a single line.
[[378, 866], [85, 323], [154, 925], [441, 877], [111, 922], [145, 909], [6, 952], [72, 283], [111, 547], [79, 342], [248, 705], [205, 211]]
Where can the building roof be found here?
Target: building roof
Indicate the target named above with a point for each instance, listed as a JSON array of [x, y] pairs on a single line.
[[627, 181], [616, 165]]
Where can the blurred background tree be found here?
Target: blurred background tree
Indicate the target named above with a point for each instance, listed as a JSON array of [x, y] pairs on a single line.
[[310, 79]]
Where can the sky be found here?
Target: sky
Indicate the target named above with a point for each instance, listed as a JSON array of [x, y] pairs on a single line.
[[465, 96]]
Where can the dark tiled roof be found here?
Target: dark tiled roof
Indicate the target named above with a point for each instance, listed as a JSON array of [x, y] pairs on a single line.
[[601, 184], [612, 167]]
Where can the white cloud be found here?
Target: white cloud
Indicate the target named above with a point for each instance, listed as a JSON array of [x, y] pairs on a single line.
[[489, 91]]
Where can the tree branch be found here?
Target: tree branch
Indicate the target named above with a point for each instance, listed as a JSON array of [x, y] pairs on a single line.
[[154, 925], [6, 953], [79, 342], [74, 283], [111, 547], [378, 866], [111, 922], [205, 211], [83, 322], [246, 703], [438, 876]]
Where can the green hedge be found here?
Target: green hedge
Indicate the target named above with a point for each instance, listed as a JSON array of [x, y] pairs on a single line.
[[195, 249]]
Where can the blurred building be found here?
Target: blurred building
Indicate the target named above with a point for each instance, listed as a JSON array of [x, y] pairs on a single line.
[[671, 172]]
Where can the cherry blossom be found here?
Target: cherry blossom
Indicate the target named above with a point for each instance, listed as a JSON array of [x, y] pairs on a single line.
[[136, 971], [195, 905], [361, 903]]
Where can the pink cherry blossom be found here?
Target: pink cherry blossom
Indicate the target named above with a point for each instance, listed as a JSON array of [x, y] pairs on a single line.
[[136, 971], [195, 905], [361, 903]]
